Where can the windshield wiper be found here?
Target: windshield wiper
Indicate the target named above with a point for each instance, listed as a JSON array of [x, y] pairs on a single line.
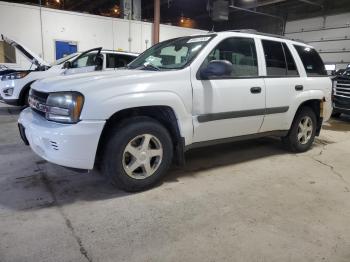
[[149, 66]]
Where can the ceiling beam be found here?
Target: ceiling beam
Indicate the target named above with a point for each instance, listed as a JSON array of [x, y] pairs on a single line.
[[312, 3], [262, 3]]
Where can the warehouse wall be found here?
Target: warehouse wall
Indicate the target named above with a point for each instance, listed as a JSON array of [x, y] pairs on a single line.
[[330, 35], [23, 23]]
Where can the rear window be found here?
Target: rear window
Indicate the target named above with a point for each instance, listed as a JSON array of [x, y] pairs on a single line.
[[312, 61]]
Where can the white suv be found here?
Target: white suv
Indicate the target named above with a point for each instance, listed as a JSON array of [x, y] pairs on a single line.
[[15, 84], [179, 94]]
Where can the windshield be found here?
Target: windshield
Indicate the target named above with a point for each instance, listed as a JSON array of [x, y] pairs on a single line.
[[171, 54], [64, 59]]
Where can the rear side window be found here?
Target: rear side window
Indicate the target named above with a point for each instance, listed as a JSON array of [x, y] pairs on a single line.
[[118, 60], [311, 60], [291, 67], [274, 57]]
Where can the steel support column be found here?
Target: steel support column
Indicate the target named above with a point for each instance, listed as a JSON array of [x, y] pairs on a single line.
[[156, 21]]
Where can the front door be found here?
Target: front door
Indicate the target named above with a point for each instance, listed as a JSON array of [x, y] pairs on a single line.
[[233, 105]]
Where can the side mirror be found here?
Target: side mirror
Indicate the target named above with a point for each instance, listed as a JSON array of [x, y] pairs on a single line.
[[216, 68], [67, 65]]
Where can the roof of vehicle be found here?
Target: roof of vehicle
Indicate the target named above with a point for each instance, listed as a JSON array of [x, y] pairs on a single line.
[[262, 34], [120, 52]]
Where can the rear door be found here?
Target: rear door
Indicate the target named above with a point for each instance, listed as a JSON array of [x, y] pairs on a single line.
[[283, 83]]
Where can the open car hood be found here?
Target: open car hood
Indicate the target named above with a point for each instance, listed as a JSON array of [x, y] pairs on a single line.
[[32, 57]]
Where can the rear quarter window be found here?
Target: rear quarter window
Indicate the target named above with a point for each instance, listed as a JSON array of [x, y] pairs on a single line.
[[312, 61]]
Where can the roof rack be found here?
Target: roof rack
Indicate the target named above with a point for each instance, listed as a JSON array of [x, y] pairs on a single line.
[[253, 31]]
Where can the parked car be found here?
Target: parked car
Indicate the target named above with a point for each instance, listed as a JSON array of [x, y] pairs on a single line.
[[341, 94], [180, 94], [15, 84], [4, 70]]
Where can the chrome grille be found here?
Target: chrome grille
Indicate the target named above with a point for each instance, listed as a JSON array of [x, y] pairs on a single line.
[[37, 101], [342, 88]]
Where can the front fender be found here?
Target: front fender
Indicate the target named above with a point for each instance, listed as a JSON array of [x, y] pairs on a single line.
[[104, 110]]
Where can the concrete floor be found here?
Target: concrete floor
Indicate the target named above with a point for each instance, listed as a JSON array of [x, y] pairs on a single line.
[[247, 201]]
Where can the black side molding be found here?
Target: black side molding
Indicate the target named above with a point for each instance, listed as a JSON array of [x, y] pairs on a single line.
[[278, 133], [244, 113]]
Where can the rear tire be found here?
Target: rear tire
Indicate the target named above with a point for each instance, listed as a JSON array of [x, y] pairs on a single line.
[[302, 132], [138, 154]]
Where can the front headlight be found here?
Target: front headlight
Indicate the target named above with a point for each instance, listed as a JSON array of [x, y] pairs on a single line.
[[13, 76], [64, 107]]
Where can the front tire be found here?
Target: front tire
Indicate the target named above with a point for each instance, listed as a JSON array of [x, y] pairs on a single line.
[[138, 154], [302, 133]]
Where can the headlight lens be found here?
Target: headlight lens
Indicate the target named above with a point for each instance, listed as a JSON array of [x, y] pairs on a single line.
[[64, 107], [13, 76]]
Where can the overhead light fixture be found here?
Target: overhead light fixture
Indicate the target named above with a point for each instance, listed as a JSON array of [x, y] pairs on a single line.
[[182, 19]]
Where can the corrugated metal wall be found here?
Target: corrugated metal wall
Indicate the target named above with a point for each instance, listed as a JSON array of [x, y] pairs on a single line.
[[330, 35]]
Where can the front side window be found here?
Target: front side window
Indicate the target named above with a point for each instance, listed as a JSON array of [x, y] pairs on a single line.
[[274, 57], [171, 54], [85, 60], [312, 61], [240, 52]]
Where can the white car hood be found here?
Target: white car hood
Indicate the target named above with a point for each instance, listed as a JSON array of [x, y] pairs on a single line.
[[31, 56], [82, 82]]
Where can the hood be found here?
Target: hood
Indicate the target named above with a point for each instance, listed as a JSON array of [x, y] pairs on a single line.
[[32, 57], [82, 82]]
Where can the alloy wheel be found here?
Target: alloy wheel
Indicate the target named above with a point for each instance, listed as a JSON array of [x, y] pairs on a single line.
[[142, 156], [305, 129]]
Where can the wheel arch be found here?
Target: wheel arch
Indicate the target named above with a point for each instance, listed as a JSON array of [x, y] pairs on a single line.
[[165, 115], [316, 104], [25, 88]]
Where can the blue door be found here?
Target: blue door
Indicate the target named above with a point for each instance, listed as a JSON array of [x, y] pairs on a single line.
[[64, 48]]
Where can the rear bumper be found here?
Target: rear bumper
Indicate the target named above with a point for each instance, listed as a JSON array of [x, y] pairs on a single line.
[[69, 145]]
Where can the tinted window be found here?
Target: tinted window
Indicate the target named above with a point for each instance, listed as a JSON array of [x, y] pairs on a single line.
[[118, 60], [292, 69], [274, 57], [240, 52], [312, 61]]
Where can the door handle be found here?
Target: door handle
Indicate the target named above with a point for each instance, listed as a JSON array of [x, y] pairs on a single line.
[[255, 90], [299, 87]]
